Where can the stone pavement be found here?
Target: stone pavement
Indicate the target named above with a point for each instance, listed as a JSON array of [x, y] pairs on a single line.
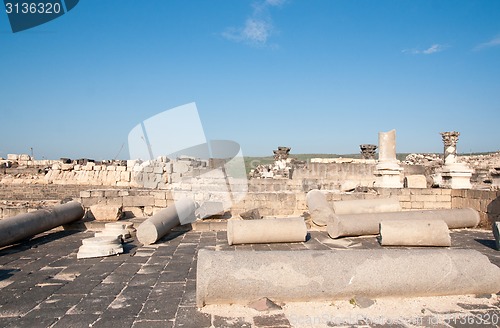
[[42, 284]]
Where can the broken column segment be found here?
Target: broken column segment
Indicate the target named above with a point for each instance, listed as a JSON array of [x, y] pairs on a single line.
[[100, 246], [414, 233], [121, 229], [26, 225], [157, 226], [287, 276], [454, 175], [368, 224], [283, 230], [320, 210], [366, 206], [388, 171]]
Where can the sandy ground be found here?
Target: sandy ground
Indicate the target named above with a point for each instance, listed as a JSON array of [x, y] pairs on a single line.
[[410, 312]]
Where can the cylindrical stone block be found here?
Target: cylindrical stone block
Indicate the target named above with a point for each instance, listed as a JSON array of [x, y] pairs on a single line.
[[318, 206], [368, 224], [356, 206], [100, 246], [283, 230], [157, 226], [287, 276], [414, 233], [26, 225], [387, 146]]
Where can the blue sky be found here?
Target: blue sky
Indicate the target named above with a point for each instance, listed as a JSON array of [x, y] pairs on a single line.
[[319, 76]]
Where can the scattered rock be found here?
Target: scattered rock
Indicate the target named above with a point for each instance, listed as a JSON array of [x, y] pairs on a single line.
[[252, 214], [264, 304], [363, 302]]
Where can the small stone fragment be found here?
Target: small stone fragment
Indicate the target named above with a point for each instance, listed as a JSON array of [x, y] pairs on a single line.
[[264, 304]]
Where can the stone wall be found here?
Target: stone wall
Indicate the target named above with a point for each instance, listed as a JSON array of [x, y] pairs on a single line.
[[138, 202], [20, 192], [272, 197], [486, 202]]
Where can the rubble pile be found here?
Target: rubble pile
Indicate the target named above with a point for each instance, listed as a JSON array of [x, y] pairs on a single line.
[[282, 168], [424, 159]]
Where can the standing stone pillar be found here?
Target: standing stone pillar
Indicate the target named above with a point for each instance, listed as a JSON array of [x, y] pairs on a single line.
[[454, 175], [495, 177], [388, 172]]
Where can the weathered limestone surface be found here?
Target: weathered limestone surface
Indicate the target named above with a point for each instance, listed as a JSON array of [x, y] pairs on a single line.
[[368, 224], [100, 246], [283, 230], [157, 226], [414, 233], [388, 173], [106, 212], [415, 181], [454, 175], [356, 206], [244, 276], [121, 229], [26, 225], [320, 210]]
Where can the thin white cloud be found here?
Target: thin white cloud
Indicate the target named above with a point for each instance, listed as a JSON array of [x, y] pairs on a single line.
[[275, 2], [258, 28], [435, 48], [495, 42]]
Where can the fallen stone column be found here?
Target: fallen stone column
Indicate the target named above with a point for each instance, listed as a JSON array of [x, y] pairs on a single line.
[[287, 276], [366, 206], [26, 225], [368, 224], [414, 233], [157, 226], [318, 206], [286, 230]]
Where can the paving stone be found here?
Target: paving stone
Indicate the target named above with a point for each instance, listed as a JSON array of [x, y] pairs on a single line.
[[189, 297], [153, 324], [151, 268], [279, 247], [246, 247], [108, 289], [92, 305], [261, 247], [126, 269], [18, 307], [76, 321], [60, 303], [160, 261], [159, 308], [112, 321], [271, 321], [169, 290], [165, 250], [80, 285], [231, 322], [172, 276], [190, 317], [32, 321], [143, 279], [6, 321]]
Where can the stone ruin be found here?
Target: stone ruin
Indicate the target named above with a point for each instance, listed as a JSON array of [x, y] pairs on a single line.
[[368, 151], [282, 167]]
